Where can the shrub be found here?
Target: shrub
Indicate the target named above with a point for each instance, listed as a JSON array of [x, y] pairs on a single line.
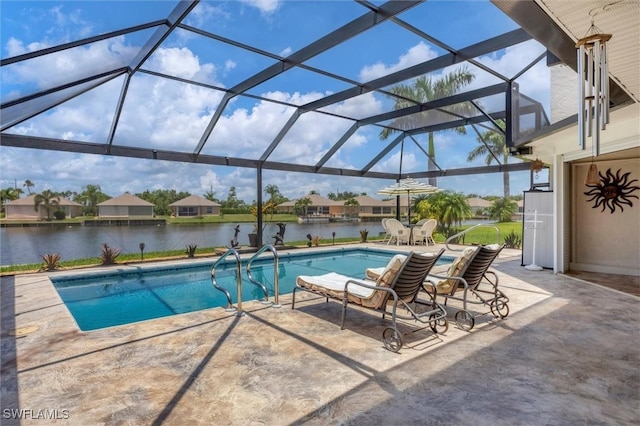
[[109, 255], [513, 240], [59, 215], [364, 233], [51, 262], [191, 250], [449, 232]]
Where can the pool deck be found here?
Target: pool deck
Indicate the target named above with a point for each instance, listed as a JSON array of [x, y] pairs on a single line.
[[568, 353]]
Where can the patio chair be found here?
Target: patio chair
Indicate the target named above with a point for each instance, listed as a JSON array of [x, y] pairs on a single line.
[[387, 235], [470, 281], [398, 231], [397, 286], [424, 234]]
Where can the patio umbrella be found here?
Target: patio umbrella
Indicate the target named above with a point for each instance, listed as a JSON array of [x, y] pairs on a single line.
[[410, 187]]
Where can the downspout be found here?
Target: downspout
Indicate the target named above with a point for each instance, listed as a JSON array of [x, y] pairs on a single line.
[[259, 202], [398, 216]]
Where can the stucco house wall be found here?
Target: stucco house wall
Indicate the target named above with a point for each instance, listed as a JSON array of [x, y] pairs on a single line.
[[194, 205], [597, 232], [585, 238], [23, 209], [125, 206]]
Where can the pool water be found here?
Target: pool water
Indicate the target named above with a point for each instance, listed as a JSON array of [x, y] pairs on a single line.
[[121, 297]]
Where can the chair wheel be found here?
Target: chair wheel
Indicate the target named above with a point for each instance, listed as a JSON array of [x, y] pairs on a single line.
[[499, 309], [392, 339], [438, 326], [465, 320]]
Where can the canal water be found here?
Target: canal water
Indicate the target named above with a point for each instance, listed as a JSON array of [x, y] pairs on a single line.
[[27, 244]]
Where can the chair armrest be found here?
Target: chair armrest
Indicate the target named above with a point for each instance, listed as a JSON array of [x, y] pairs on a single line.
[[434, 289], [446, 277], [494, 281], [361, 284], [374, 287]]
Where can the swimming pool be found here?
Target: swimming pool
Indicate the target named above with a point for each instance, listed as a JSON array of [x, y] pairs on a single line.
[[120, 297]]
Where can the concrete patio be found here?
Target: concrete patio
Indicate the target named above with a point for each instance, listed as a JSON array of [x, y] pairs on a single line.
[[567, 354]]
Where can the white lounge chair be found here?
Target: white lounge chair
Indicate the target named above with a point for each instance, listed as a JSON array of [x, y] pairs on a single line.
[[387, 235]]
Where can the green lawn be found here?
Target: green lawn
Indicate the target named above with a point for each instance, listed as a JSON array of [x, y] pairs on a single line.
[[487, 234]]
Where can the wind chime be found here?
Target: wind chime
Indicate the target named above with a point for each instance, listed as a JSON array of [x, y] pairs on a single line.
[[593, 93]]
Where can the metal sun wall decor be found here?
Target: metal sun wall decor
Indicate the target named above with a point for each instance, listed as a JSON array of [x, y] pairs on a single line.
[[612, 191]]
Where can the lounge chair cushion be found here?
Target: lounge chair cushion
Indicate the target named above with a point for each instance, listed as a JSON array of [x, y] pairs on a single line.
[[375, 273], [384, 280], [456, 267], [332, 284]]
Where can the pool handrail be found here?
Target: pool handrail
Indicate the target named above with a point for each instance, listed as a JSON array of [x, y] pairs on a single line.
[[230, 307], [276, 268], [467, 230]]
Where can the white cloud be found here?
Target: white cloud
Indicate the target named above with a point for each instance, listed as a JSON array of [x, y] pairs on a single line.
[[534, 83], [170, 115], [245, 133], [392, 163], [361, 106], [65, 66], [421, 52], [210, 181], [229, 65], [181, 62], [15, 47], [68, 25], [286, 52], [265, 6], [205, 12]]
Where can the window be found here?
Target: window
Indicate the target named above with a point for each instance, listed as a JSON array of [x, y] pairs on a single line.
[[187, 211]]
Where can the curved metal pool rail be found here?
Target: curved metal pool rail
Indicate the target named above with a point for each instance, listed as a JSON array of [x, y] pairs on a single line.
[[276, 268], [467, 230], [230, 307]]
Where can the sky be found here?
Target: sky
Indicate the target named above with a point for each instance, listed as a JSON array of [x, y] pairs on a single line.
[[166, 114]]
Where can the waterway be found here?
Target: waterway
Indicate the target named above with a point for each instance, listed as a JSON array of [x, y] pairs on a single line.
[[22, 245]]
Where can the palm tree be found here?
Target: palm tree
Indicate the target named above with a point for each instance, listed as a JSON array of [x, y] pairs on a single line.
[[492, 144], [29, 185], [211, 196], [302, 204], [503, 209], [90, 197], [274, 193], [351, 206], [425, 89], [272, 190], [48, 199], [449, 208], [8, 194]]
